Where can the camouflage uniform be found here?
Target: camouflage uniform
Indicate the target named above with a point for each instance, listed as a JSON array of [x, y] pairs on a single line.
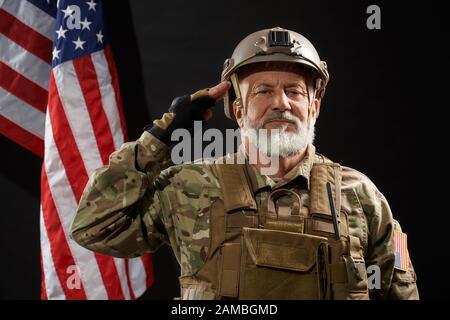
[[140, 201]]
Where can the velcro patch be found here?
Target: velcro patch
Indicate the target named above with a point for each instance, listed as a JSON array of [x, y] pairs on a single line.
[[401, 251]]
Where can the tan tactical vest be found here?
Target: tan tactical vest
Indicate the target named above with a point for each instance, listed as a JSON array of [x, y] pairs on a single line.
[[267, 251]]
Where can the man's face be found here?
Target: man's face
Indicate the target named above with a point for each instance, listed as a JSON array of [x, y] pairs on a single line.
[[278, 100]]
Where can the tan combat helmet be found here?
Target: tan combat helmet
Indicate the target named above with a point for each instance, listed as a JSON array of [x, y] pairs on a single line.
[[276, 44]]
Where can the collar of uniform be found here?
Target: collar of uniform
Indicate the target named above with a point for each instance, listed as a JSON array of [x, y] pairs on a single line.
[[257, 180], [302, 169]]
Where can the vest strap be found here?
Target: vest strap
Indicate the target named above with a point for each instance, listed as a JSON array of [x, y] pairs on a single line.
[[322, 173]]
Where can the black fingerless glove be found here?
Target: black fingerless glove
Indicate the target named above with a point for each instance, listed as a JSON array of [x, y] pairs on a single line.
[[181, 115]]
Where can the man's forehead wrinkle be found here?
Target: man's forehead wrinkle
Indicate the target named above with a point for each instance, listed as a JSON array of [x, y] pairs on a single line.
[[266, 82], [278, 83]]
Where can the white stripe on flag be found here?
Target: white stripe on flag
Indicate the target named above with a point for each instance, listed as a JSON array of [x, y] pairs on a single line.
[[24, 62], [52, 285], [108, 97], [31, 15], [21, 113], [138, 276], [65, 202], [121, 271], [74, 105]]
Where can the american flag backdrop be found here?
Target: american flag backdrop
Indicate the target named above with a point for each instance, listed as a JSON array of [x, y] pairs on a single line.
[[66, 93]]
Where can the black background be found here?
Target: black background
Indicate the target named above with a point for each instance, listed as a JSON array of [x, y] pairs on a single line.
[[377, 115]]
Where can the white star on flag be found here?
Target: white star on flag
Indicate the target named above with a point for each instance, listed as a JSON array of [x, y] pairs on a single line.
[[68, 12], [99, 36], [55, 53], [91, 5], [85, 23], [79, 44], [61, 32]]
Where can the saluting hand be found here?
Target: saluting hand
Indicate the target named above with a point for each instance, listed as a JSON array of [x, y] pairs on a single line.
[[187, 109]]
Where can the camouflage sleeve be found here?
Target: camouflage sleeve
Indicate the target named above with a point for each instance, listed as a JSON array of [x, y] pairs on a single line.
[[121, 209], [394, 283]]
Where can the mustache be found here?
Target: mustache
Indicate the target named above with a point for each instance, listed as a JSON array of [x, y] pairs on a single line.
[[279, 115]]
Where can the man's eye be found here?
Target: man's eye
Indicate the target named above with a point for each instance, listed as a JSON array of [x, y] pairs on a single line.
[[294, 93]]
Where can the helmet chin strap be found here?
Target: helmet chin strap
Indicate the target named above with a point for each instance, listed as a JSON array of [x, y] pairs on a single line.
[[235, 81], [313, 94], [311, 104]]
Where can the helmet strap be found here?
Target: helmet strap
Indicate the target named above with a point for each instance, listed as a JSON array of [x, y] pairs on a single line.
[[235, 81], [311, 104]]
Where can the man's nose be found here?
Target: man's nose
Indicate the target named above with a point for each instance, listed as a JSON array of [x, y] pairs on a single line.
[[281, 101]]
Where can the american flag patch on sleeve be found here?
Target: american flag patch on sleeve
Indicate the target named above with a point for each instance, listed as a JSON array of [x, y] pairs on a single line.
[[401, 251]]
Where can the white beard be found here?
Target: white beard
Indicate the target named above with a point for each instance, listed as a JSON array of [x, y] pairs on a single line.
[[279, 142]]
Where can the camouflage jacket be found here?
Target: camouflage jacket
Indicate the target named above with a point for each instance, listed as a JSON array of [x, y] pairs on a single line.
[[140, 200]]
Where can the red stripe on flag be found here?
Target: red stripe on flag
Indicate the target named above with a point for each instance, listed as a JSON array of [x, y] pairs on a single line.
[[110, 277], [26, 37], [65, 142], [21, 136], [127, 272], [115, 83], [148, 265], [23, 88], [78, 177], [87, 77], [61, 254]]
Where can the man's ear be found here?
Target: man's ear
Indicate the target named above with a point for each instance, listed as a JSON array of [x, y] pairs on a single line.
[[238, 112], [315, 110]]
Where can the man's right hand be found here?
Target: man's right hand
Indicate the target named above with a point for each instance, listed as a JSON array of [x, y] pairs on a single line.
[[187, 109]]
